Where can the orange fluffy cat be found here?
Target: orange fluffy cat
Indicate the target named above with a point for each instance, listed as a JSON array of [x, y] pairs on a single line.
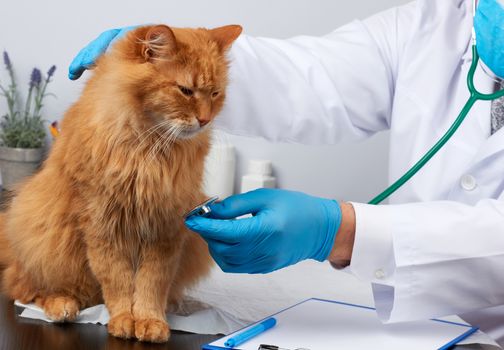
[[102, 220]]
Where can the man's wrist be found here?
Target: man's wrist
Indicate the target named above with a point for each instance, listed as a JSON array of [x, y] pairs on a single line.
[[341, 253]]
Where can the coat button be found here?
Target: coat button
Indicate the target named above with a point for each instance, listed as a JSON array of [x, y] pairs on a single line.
[[380, 274], [468, 182]]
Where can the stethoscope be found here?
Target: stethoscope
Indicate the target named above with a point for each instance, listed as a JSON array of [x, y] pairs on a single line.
[[474, 96]]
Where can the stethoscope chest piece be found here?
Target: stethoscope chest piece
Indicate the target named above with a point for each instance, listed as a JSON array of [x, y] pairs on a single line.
[[202, 209]]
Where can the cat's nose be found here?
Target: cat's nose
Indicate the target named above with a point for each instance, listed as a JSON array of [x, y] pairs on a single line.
[[203, 120]]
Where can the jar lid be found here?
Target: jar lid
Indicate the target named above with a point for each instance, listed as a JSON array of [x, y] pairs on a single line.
[[222, 151], [260, 167]]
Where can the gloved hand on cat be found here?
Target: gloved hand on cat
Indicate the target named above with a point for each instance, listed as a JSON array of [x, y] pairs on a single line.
[[87, 57], [286, 227]]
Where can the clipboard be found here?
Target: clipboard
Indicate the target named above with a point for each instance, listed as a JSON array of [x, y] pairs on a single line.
[[319, 324]]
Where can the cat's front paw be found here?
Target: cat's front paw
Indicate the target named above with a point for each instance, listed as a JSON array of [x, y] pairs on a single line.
[[59, 308], [122, 326], [152, 330]]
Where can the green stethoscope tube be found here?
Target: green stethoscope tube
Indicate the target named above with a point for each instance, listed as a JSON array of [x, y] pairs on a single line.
[[475, 95]]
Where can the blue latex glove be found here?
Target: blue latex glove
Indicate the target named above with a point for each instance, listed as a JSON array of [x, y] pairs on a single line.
[[286, 227], [87, 57], [489, 28]]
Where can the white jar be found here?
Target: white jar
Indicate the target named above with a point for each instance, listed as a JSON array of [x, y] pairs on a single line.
[[259, 175], [220, 168]]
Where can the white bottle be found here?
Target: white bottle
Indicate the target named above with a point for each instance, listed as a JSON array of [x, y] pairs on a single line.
[[259, 176], [220, 171]]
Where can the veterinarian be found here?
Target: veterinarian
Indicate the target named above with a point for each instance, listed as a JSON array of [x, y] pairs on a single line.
[[438, 247]]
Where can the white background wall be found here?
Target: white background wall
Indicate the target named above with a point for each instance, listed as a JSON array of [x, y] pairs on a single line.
[[42, 33]]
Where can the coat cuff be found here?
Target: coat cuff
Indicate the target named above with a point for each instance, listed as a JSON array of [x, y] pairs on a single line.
[[373, 253]]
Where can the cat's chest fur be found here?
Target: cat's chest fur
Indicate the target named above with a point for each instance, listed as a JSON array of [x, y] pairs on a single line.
[[146, 197]]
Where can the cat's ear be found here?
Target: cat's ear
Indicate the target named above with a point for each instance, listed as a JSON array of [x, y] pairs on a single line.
[[225, 36], [159, 42]]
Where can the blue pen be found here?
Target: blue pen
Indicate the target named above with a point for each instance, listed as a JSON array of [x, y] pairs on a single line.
[[250, 333]]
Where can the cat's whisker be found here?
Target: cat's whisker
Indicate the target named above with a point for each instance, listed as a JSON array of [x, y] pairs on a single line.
[[160, 141], [156, 129], [151, 152], [151, 129], [167, 139], [165, 136], [170, 140], [146, 134]]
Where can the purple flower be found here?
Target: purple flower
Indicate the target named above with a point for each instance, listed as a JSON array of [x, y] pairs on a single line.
[[51, 71], [7, 60], [35, 78]]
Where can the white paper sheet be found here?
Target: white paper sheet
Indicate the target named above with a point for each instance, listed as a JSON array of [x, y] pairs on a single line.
[[321, 325], [201, 320]]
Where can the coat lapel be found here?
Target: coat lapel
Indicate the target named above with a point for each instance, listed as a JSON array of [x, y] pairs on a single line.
[[491, 146]]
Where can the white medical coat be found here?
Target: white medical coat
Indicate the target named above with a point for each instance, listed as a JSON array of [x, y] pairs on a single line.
[[438, 247]]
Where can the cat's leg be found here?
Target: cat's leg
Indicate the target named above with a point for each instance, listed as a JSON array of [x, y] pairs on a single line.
[[59, 307], [113, 269], [17, 284], [59, 291], [155, 274], [195, 263], [63, 301], [63, 295]]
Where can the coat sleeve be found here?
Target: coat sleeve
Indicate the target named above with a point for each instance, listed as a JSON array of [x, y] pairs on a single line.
[[431, 259], [316, 90]]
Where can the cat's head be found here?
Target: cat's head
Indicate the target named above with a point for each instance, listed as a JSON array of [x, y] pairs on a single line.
[[176, 77]]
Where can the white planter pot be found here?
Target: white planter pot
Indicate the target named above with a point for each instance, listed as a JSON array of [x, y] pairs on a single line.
[[18, 163]]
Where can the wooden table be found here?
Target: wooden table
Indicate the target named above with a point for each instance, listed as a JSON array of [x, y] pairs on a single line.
[[19, 333]]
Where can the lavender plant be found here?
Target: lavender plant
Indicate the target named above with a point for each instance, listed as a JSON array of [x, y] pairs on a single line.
[[24, 128]]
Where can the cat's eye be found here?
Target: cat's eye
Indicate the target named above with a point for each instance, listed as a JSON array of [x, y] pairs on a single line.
[[215, 94], [185, 90]]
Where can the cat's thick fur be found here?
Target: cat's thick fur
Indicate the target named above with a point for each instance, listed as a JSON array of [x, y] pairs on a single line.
[[102, 220]]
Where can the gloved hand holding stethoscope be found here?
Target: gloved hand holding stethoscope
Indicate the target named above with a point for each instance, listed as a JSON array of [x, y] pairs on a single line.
[[286, 227]]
